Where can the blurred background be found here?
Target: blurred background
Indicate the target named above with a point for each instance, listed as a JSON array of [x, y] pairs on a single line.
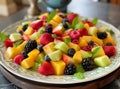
[[9, 7]]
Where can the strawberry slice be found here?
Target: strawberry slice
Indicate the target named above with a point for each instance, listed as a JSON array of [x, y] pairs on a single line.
[[8, 43], [88, 22], [83, 32], [109, 50], [46, 69], [71, 17], [87, 48]]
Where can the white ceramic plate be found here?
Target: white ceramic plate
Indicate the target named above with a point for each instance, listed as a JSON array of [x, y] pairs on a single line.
[[34, 76]]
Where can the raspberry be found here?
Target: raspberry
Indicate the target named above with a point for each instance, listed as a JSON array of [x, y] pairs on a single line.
[[32, 44], [46, 38], [18, 59], [70, 69], [102, 35], [87, 48], [8, 43], [83, 32], [109, 50], [87, 64], [75, 34]]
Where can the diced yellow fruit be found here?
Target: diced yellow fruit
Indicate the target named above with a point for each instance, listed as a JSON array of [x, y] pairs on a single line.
[[45, 14], [82, 43], [20, 48], [29, 30], [97, 40], [99, 52], [109, 39], [38, 41], [34, 53], [27, 63], [57, 18], [75, 46], [11, 52], [87, 38], [86, 26], [49, 48], [77, 58], [19, 28], [54, 24], [59, 67]]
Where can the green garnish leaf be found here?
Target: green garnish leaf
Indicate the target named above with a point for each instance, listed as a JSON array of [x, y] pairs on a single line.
[[68, 24], [3, 36], [96, 51], [111, 32], [79, 75], [17, 43], [67, 40], [79, 68], [54, 36], [51, 15], [79, 26], [94, 21], [75, 21]]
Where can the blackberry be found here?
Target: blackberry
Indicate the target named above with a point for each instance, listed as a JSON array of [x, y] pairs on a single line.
[[40, 47], [91, 43], [47, 58], [71, 52], [87, 64], [30, 46], [24, 27], [102, 35], [70, 69], [24, 53], [64, 23], [48, 28], [108, 44]]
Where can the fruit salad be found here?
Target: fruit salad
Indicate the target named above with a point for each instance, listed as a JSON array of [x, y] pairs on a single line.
[[59, 43]]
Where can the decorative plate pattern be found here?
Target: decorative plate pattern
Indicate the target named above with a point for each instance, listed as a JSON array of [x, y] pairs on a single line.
[[36, 77]]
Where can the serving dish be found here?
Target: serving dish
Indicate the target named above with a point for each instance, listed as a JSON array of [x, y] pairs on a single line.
[[36, 77]]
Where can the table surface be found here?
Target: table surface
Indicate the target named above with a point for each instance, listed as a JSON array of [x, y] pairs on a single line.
[[107, 12]]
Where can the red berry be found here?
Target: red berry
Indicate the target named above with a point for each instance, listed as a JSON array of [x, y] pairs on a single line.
[[88, 22], [46, 38], [109, 50], [36, 24], [8, 43], [46, 69], [76, 41], [87, 48], [71, 17], [43, 18], [83, 32], [74, 34], [18, 59]]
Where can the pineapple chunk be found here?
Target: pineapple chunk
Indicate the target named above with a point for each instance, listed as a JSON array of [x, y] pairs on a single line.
[[54, 24], [75, 46], [28, 31], [49, 48], [59, 67], [34, 53], [57, 19]]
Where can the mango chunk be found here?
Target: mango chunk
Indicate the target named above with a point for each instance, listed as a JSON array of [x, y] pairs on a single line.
[[59, 67], [77, 58]]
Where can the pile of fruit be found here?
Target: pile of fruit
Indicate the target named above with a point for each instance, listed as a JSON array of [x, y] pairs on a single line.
[[60, 44]]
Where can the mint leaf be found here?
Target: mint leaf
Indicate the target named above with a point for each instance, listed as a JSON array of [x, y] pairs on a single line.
[[79, 68], [51, 15], [94, 21], [79, 75], [3, 36], [79, 26], [75, 21], [17, 43]]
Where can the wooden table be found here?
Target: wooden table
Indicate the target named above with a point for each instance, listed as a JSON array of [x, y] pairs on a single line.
[[107, 12]]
